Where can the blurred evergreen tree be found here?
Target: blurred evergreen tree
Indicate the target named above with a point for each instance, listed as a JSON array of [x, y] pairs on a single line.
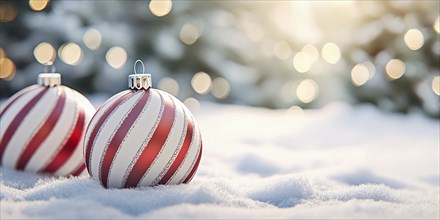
[[252, 45]]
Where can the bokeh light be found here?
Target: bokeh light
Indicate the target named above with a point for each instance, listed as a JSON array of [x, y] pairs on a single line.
[[8, 12], [371, 69], [307, 91], [311, 51], [436, 85], [282, 50], [414, 39], [169, 85], [2, 53], [92, 39], [192, 103], [160, 8], [395, 69], [296, 111], [201, 83], [44, 53], [7, 69], [302, 62], [116, 57], [360, 74], [189, 34], [70, 53], [38, 5], [220, 88], [436, 25], [331, 53]]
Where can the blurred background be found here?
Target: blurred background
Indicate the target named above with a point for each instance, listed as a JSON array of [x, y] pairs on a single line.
[[276, 54]]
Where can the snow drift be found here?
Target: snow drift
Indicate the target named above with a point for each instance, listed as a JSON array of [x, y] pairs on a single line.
[[336, 162]]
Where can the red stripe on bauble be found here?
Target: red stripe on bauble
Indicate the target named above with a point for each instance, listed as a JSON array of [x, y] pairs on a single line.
[[18, 119], [182, 153], [69, 147], [98, 125], [79, 170], [42, 132], [19, 95], [194, 169], [119, 136], [154, 146]]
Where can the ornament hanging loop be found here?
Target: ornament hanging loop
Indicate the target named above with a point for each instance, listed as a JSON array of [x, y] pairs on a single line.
[[49, 79], [139, 81], [47, 65], [135, 64]]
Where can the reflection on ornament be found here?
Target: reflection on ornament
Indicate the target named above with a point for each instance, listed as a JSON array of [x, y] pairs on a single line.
[[42, 128], [142, 137]]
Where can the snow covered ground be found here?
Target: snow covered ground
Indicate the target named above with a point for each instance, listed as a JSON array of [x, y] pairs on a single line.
[[336, 162]]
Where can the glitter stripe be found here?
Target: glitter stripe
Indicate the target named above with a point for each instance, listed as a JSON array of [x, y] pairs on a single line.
[[13, 126], [120, 134], [153, 147], [42, 132]]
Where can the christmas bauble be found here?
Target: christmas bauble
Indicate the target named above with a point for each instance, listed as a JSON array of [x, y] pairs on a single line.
[[142, 137], [42, 128]]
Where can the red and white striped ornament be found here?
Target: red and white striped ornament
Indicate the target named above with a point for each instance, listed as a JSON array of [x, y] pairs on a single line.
[[142, 137], [42, 128]]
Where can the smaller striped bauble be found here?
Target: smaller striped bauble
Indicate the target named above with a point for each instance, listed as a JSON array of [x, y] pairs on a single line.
[[42, 128], [142, 137]]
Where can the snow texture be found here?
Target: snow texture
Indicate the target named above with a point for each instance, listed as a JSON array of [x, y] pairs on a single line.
[[336, 162]]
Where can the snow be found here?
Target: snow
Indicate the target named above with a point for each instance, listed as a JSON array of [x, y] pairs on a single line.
[[341, 161]]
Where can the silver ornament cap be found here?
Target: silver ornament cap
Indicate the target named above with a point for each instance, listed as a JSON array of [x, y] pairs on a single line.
[[139, 81], [49, 79]]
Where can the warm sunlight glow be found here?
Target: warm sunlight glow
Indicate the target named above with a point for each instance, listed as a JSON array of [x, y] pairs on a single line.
[[360, 74], [436, 25], [44, 53], [7, 69], [189, 34], [8, 12], [70, 53], [282, 50], [302, 62], [92, 39], [2, 53], [436, 85], [307, 91], [169, 85], [311, 51], [192, 104], [331, 53], [201, 83], [395, 69], [160, 8], [116, 57], [38, 5], [220, 88], [414, 39], [296, 111]]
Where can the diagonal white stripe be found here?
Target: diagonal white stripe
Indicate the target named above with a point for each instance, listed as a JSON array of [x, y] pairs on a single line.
[[190, 156], [101, 111], [13, 110], [50, 146], [30, 124], [174, 141], [107, 131], [77, 157], [133, 141]]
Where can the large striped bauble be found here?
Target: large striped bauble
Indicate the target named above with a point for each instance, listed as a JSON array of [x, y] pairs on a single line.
[[143, 137], [42, 129]]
